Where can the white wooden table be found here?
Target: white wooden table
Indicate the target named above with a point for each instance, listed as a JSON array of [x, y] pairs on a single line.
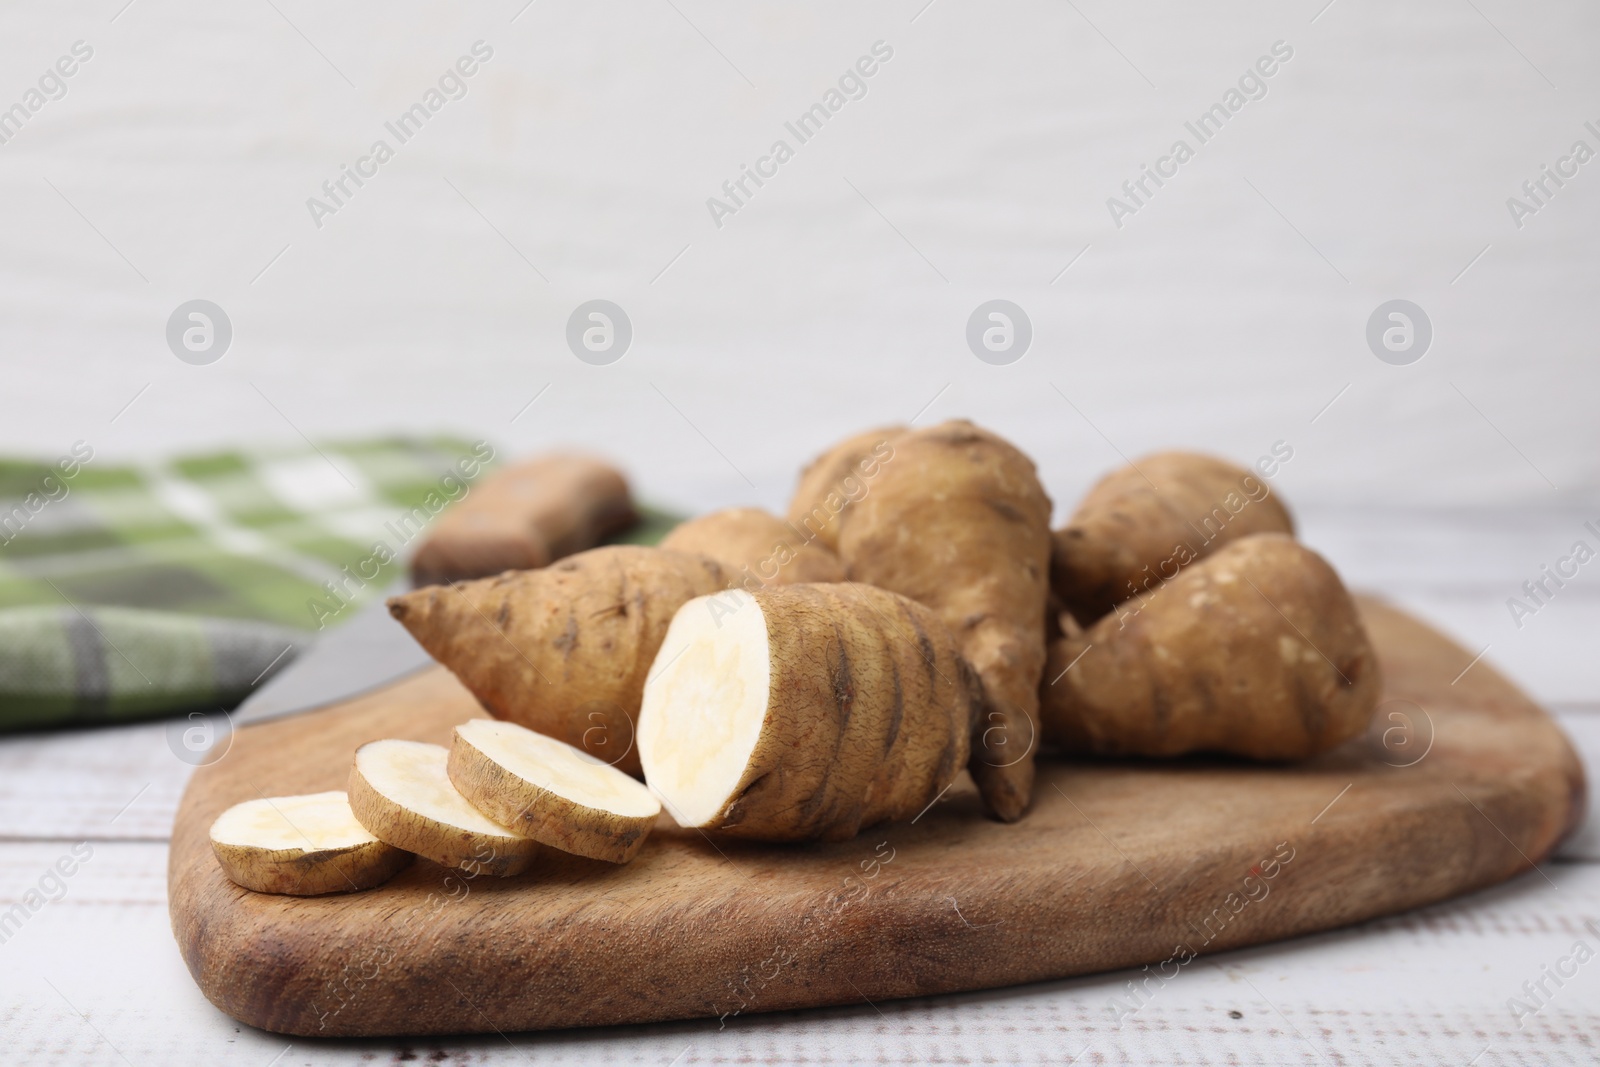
[[95, 976]]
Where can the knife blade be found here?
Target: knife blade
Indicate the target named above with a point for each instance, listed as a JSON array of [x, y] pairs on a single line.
[[367, 652]]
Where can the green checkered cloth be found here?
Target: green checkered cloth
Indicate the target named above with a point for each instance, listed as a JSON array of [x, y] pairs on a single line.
[[132, 591]]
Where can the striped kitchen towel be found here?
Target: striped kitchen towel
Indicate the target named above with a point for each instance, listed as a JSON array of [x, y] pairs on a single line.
[[131, 591]]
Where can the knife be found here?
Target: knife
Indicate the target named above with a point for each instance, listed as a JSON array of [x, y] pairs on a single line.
[[369, 651]]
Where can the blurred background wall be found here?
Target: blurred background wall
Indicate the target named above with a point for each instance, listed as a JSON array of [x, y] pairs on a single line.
[[1227, 312]]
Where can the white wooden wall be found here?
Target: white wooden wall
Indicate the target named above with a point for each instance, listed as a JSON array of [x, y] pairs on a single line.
[[1227, 314]]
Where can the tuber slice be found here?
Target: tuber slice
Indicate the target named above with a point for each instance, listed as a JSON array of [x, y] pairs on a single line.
[[804, 712], [1141, 523], [556, 794], [1255, 651], [401, 792], [301, 846]]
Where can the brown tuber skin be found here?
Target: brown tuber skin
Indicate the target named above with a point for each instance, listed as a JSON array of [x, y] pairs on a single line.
[[563, 650], [541, 813], [958, 521], [311, 872], [303, 868], [834, 480], [525, 516], [870, 711], [1141, 523], [756, 547], [877, 680], [1256, 651]]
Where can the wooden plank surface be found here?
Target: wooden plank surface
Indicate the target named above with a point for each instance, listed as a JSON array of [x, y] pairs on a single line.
[[115, 783], [1115, 864], [1436, 979]]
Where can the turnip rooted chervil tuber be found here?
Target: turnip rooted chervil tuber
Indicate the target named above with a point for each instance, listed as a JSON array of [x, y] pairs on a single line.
[[756, 548], [563, 650], [804, 712], [1256, 651], [1140, 524], [954, 517]]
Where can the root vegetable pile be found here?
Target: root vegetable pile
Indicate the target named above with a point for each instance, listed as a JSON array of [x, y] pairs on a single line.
[[912, 620]]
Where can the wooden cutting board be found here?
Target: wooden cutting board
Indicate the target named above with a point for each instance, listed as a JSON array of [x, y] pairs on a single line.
[[1461, 783]]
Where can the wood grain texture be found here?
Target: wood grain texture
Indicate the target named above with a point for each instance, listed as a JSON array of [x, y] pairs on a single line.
[[1117, 864], [1425, 987]]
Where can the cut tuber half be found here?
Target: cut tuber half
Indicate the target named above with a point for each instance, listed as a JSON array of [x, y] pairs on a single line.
[[805, 712], [301, 846], [401, 791], [556, 794]]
